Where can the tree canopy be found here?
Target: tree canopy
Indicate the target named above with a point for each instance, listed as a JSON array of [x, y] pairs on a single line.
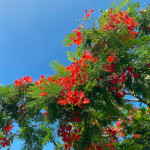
[[90, 104]]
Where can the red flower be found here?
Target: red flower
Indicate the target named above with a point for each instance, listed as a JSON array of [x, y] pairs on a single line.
[[124, 93], [113, 81], [137, 136], [78, 40], [7, 128], [78, 137], [43, 94], [69, 128], [42, 76], [130, 69], [135, 75], [148, 65], [86, 101], [87, 15], [121, 18], [91, 11], [110, 59], [78, 34], [120, 95], [78, 76], [130, 111], [45, 114], [50, 78], [111, 68], [23, 80]]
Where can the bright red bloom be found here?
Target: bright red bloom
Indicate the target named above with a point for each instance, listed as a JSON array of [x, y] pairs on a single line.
[[131, 111], [110, 59], [86, 101], [73, 97], [87, 15], [42, 76], [78, 34], [121, 18], [148, 65], [8, 127], [137, 136], [23, 80], [91, 11], [43, 88], [45, 114], [50, 78], [6, 140], [43, 94], [78, 76], [78, 39]]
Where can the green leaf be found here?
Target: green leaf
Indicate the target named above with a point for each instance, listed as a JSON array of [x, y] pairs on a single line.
[[5, 90], [67, 40], [59, 68], [53, 89], [1, 135], [72, 55], [35, 103]]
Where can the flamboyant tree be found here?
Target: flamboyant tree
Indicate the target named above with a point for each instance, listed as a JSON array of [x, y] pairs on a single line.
[[89, 104]]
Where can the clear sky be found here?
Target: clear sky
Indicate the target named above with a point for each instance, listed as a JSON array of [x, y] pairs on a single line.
[[31, 34]]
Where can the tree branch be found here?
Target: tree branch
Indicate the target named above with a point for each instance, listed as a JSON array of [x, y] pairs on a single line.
[[135, 100], [137, 96]]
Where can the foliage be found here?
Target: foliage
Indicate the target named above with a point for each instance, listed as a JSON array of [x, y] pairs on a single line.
[[90, 103]]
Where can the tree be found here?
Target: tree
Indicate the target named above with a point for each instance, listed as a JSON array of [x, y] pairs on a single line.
[[88, 104]]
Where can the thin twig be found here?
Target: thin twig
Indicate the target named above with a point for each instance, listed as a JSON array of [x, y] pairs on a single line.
[[137, 96], [136, 100]]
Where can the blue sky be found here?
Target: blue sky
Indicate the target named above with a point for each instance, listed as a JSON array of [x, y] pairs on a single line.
[[31, 34]]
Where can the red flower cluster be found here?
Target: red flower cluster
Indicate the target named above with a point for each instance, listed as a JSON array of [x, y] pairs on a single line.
[[73, 97], [137, 136], [45, 114], [112, 133], [23, 80], [77, 77], [121, 18], [69, 133], [6, 141], [119, 79], [7, 128], [120, 126], [119, 129], [40, 80], [43, 81], [43, 94], [78, 39], [110, 59], [87, 15]]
